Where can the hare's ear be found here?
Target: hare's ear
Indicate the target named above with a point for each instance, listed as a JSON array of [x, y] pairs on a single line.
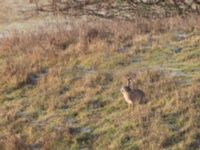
[[128, 81]]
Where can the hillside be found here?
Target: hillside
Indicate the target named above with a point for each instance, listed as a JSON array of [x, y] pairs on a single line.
[[60, 84]]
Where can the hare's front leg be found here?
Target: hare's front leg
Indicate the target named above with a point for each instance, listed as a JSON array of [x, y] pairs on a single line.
[[130, 105]]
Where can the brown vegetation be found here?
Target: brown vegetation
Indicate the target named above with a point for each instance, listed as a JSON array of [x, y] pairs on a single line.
[[60, 89]]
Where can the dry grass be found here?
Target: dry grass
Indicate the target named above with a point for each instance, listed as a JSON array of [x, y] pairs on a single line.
[[60, 89]]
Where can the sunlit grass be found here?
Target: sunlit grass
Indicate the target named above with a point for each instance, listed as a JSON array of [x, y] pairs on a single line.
[[55, 95]]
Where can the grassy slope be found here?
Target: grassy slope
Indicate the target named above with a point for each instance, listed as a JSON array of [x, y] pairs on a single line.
[[62, 92]]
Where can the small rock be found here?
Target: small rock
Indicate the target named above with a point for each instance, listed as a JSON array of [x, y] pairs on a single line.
[[86, 130], [177, 50], [36, 146], [121, 50], [181, 37]]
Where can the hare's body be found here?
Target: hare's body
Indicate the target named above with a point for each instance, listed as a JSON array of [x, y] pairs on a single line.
[[133, 95]]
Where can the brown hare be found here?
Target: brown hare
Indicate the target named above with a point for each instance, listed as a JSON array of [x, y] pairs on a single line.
[[132, 95]]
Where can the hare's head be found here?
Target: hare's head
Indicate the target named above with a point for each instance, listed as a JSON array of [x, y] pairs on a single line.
[[125, 89]]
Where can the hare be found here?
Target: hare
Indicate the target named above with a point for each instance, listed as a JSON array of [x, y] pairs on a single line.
[[131, 95]]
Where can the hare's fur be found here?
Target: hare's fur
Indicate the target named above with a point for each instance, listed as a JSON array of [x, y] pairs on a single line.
[[131, 95]]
